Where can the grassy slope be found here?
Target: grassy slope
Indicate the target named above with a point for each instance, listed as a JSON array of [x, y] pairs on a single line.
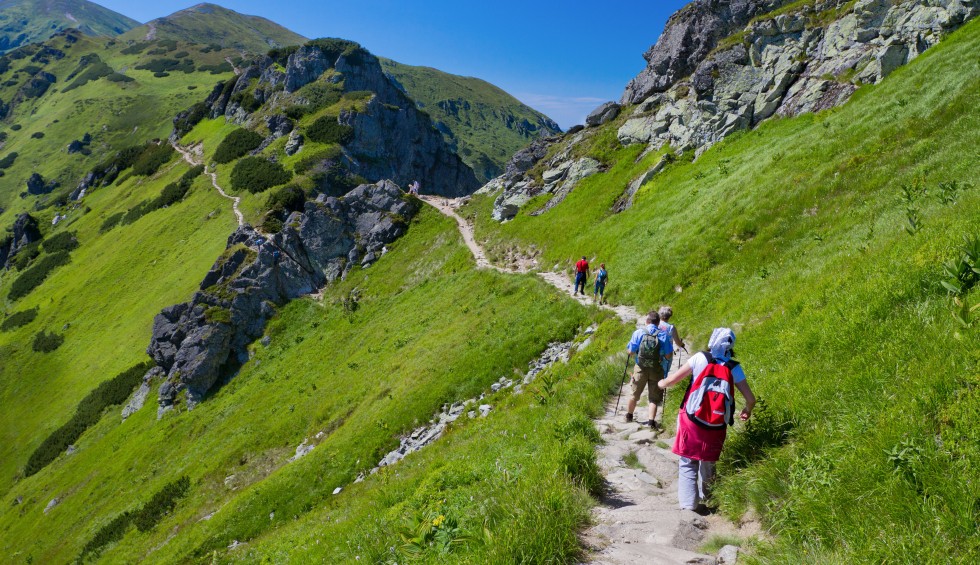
[[487, 134], [116, 114], [795, 233], [208, 23], [363, 381], [46, 17], [109, 294]]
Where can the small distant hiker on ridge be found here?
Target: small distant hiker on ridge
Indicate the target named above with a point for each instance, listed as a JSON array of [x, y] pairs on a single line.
[[706, 412], [581, 274], [413, 188], [645, 347], [601, 277], [668, 337]]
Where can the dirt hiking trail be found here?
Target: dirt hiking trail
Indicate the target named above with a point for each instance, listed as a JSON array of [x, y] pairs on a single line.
[[193, 156], [638, 521]]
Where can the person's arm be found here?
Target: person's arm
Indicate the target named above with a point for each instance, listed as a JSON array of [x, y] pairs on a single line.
[[743, 387], [678, 340], [677, 376]]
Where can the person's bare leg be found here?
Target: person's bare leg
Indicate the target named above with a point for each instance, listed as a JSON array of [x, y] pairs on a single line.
[[631, 406], [653, 413]]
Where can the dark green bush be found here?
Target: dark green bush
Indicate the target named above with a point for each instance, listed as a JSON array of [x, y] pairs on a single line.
[[172, 193], [145, 518], [111, 222], [135, 49], [160, 504], [47, 342], [37, 135], [334, 48], [16, 127], [25, 255], [8, 161], [18, 319], [236, 144], [313, 159], [64, 241], [328, 130], [281, 55], [165, 65], [136, 212], [152, 158], [247, 100], [90, 67], [223, 67], [255, 174], [289, 198], [114, 391], [31, 278]]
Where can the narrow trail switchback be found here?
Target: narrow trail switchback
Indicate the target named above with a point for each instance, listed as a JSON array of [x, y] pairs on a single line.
[[638, 520], [189, 155]]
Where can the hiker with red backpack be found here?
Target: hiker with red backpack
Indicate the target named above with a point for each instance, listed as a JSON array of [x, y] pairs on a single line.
[[645, 347], [706, 412]]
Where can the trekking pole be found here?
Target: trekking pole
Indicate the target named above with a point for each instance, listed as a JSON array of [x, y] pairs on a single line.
[[622, 384]]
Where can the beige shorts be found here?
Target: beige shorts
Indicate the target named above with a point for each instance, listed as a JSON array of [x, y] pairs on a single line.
[[647, 377]]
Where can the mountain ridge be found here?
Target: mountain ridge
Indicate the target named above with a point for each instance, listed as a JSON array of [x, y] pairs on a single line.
[[29, 21]]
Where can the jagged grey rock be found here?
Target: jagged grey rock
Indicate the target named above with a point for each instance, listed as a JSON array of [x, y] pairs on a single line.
[[392, 138], [197, 342], [139, 397], [294, 143], [728, 555], [24, 232], [603, 114]]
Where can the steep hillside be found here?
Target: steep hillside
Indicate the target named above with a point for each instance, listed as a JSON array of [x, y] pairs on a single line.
[[485, 124], [209, 24], [30, 21], [842, 247], [73, 102]]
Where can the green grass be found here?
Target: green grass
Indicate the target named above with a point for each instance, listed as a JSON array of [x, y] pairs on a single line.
[[468, 328], [632, 461], [795, 235]]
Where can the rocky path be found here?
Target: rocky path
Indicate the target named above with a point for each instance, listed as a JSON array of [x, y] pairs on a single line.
[[556, 279], [189, 155], [638, 521]]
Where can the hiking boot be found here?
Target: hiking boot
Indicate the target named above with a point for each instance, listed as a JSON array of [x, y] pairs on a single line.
[[629, 417], [656, 426]]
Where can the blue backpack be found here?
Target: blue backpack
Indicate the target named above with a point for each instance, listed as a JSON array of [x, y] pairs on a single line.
[[666, 339]]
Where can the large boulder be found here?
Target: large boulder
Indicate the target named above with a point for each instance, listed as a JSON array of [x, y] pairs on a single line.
[[603, 114]]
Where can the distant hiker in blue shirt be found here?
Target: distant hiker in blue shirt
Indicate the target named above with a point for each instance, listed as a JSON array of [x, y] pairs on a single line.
[[645, 347], [600, 283]]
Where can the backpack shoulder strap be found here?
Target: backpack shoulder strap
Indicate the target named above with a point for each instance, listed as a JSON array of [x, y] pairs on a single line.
[[708, 356]]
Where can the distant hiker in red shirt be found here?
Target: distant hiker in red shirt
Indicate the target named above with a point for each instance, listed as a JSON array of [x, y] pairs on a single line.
[[581, 274]]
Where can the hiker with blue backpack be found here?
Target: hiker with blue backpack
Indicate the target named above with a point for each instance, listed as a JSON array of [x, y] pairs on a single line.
[[669, 337], [706, 412], [645, 348], [600, 283]]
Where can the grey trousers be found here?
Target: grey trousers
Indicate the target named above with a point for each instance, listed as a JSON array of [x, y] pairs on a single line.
[[694, 481]]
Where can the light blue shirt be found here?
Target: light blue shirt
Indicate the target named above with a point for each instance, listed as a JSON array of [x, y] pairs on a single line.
[[634, 345]]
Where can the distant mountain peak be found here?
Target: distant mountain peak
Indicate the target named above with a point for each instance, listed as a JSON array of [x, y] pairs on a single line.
[[211, 23], [31, 21]]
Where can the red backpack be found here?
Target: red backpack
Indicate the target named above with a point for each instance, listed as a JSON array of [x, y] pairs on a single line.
[[710, 400]]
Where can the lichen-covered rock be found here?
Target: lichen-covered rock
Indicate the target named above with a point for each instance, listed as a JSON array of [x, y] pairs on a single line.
[[24, 232], [786, 65], [391, 137], [198, 342]]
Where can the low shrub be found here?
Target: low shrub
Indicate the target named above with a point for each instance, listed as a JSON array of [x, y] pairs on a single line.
[[90, 67], [64, 241], [19, 319], [255, 174], [152, 158], [328, 130], [166, 65], [33, 277], [37, 135], [287, 199], [47, 342], [114, 391], [119, 77], [223, 67], [8, 160], [311, 160], [111, 222], [25, 255], [237, 144]]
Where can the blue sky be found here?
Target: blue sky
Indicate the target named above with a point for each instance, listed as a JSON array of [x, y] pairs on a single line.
[[562, 58]]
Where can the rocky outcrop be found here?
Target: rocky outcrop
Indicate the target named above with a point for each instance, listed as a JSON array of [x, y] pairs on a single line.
[[391, 138], [603, 114], [811, 59], [37, 185], [721, 66], [196, 343], [24, 232]]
